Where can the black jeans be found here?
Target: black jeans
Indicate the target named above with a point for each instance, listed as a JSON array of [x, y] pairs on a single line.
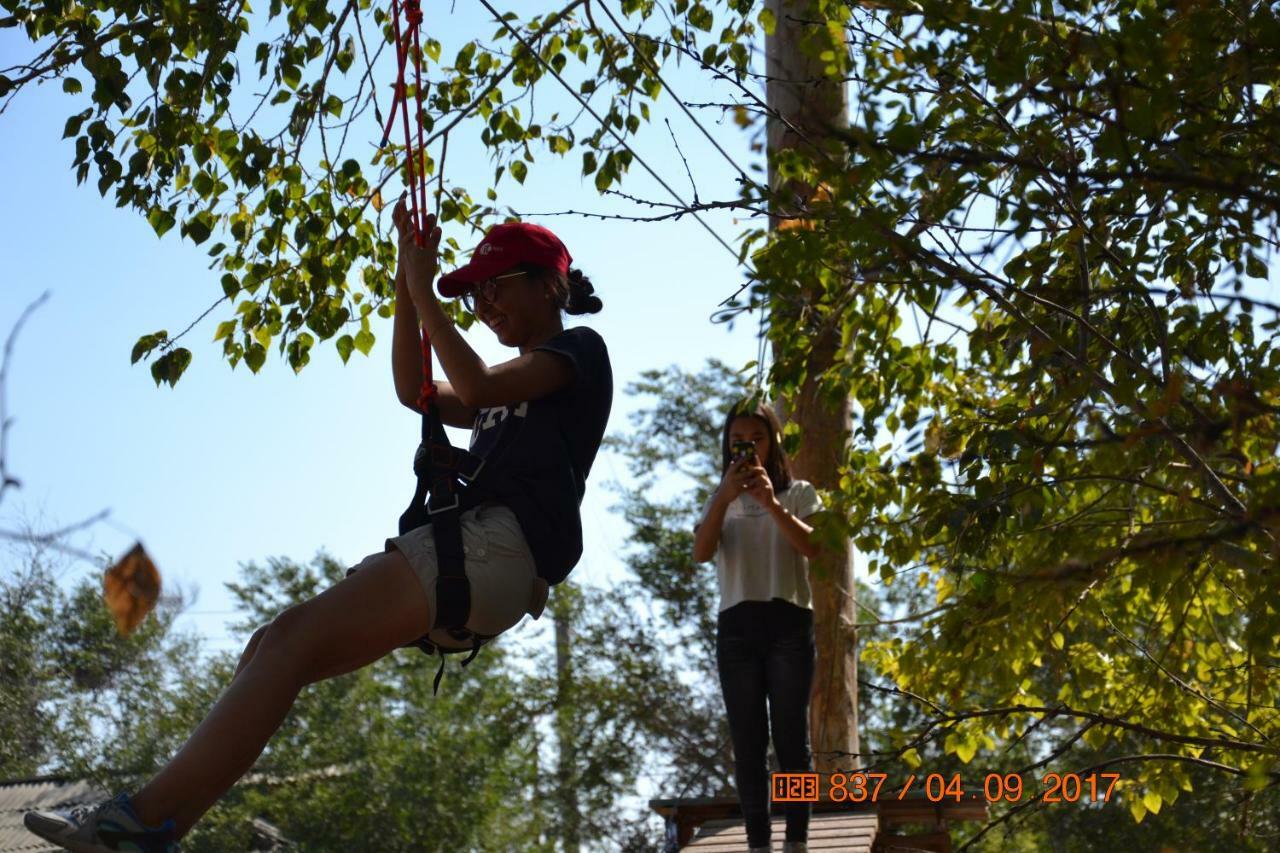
[[765, 651]]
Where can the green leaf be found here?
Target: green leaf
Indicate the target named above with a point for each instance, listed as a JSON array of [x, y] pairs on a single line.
[[161, 220], [299, 352], [519, 170], [345, 344], [1254, 266], [255, 356], [768, 21], [73, 124], [607, 173], [146, 344], [364, 341], [199, 227], [346, 56], [225, 328], [170, 366], [701, 18]]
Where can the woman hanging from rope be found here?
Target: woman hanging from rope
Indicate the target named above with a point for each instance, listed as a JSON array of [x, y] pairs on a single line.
[[756, 526], [521, 532]]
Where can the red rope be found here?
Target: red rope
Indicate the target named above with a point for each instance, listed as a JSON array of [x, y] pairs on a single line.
[[406, 37], [415, 15]]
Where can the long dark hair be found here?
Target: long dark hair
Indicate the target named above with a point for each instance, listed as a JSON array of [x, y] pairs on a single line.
[[778, 466]]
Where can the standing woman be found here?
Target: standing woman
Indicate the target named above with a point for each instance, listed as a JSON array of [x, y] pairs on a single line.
[[756, 527], [523, 533]]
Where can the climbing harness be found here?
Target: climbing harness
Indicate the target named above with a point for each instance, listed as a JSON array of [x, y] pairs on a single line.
[[446, 475], [447, 485]]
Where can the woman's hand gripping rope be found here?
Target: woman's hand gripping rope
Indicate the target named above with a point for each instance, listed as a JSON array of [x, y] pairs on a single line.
[[419, 255]]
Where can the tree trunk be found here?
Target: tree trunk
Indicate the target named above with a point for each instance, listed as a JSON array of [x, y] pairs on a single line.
[[804, 106]]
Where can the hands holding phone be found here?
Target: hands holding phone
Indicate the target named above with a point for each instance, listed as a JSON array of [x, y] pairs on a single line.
[[745, 475]]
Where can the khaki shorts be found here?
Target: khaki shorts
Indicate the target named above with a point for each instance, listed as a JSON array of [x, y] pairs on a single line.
[[499, 565]]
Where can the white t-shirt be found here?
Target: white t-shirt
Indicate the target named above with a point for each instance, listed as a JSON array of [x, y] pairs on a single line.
[[754, 560]]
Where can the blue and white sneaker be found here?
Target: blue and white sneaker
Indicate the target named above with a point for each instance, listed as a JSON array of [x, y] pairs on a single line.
[[106, 827]]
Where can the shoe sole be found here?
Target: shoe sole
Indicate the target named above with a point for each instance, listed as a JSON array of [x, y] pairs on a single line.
[[51, 835]]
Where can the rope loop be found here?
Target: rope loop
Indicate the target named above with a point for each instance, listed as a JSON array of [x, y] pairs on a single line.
[[407, 44]]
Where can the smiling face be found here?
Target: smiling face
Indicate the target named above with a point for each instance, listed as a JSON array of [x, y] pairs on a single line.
[[754, 430], [522, 313]]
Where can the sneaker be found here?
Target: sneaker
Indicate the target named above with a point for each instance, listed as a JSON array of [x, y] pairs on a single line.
[[106, 827], [795, 847]]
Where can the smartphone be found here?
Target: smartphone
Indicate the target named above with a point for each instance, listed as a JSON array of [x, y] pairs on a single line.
[[742, 449]]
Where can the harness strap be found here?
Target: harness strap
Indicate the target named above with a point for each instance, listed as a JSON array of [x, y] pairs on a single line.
[[477, 640], [438, 500], [438, 466]]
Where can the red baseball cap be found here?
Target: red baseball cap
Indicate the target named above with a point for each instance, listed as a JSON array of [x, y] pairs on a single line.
[[501, 249]]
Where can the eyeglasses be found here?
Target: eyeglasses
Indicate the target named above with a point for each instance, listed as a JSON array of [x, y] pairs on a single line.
[[486, 290]]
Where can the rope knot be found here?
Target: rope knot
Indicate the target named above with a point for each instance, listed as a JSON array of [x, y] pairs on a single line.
[[413, 12], [427, 394]]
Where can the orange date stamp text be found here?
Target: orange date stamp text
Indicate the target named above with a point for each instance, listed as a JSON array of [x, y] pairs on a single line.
[[862, 787]]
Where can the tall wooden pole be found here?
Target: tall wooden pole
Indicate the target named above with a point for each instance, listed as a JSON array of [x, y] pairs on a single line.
[[566, 726], [804, 106]]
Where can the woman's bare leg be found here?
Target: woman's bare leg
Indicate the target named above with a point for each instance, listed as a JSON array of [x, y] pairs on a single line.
[[361, 619], [338, 668]]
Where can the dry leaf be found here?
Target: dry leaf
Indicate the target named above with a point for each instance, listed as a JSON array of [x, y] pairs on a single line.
[[131, 588], [376, 200]]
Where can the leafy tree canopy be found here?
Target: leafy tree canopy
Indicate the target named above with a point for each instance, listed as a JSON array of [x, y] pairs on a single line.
[[235, 125], [1072, 446]]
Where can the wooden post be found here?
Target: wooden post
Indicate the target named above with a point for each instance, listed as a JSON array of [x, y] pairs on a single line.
[[566, 726], [804, 106]]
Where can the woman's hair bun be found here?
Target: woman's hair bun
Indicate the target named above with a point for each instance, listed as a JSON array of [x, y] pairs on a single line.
[[581, 300]]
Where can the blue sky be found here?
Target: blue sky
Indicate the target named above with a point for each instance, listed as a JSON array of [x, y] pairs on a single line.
[[231, 467]]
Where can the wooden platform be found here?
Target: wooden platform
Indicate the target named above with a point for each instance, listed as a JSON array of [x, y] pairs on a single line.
[[848, 832], [714, 825]]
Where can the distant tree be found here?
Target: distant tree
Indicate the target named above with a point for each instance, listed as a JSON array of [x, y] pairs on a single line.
[[672, 448], [70, 685]]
